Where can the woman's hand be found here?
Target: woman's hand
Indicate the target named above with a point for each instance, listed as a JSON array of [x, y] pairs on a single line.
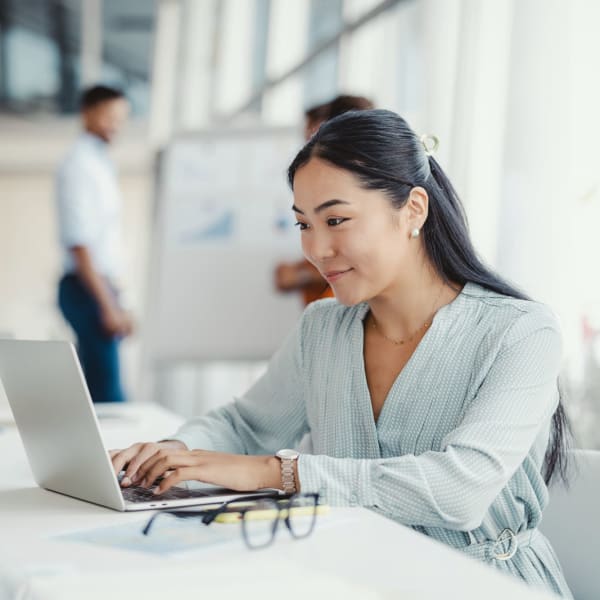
[[233, 471], [136, 455]]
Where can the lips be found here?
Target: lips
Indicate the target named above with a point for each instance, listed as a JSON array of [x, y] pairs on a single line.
[[332, 276]]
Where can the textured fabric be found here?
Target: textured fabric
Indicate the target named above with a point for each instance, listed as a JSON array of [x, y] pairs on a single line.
[[89, 205], [458, 448]]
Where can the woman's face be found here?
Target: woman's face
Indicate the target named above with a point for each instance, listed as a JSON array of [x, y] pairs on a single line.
[[353, 236]]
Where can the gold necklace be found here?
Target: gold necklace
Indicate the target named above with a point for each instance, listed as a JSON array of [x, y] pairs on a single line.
[[414, 334]]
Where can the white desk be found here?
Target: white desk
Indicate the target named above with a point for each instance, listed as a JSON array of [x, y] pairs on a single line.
[[353, 553]]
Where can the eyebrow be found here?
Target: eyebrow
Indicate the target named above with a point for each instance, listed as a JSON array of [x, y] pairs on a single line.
[[321, 207]]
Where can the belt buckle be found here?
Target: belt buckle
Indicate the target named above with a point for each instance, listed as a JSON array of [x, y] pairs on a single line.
[[506, 535]]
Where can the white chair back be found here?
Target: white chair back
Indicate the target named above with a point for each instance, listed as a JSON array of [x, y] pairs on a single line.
[[571, 522]]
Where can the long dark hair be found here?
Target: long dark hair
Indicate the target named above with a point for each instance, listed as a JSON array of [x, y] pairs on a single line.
[[380, 148]]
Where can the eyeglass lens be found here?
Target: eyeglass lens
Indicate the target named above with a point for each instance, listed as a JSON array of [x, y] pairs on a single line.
[[301, 515], [260, 523]]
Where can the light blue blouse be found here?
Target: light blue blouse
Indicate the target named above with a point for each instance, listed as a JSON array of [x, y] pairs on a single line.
[[458, 448]]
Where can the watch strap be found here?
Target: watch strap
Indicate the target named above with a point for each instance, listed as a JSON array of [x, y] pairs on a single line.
[[288, 479], [287, 459]]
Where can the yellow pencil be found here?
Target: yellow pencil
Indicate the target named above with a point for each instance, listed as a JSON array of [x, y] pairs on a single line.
[[271, 513]]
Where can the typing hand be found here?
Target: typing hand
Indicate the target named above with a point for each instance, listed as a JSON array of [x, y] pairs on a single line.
[[133, 457], [232, 471]]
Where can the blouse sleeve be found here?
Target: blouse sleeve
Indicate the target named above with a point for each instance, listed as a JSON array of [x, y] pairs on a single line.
[[454, 488], [270, 416]]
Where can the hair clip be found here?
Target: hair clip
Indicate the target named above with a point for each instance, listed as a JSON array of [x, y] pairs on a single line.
[[430, 143]]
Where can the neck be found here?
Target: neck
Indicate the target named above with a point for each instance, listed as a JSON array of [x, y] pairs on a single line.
[[95, 134], [411, 302]]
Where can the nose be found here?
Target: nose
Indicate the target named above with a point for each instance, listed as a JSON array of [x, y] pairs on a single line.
[[318, 247]]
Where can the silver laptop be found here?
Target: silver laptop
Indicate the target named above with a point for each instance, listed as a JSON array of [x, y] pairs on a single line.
[[55, 416]]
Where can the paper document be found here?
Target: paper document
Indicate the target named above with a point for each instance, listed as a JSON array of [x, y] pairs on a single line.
[[169, 535]]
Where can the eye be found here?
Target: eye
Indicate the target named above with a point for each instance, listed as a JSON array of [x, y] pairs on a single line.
[[302, 226], [334, 221]]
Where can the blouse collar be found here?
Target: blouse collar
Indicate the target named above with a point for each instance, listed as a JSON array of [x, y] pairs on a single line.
[[445, 312]]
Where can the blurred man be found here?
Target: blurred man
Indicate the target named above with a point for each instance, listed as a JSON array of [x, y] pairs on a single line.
[[302, 276], [89, 215]]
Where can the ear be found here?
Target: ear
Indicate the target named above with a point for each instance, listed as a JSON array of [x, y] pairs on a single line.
[[417, 207]]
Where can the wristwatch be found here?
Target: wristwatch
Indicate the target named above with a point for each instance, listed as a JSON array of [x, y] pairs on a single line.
[[288, 458]]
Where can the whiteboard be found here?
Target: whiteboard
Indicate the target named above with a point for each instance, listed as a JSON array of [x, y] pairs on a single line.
[[223, 221]]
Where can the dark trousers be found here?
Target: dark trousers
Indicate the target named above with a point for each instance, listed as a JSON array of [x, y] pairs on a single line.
[[98, 351]]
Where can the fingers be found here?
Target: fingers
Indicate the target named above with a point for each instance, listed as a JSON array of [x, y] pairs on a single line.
[[238, 472], [120, 458], [129, 324], [177, 476], [145, 452], [132, 457], [164, 460]]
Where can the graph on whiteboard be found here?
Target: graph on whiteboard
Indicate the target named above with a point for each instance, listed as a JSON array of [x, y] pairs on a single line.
[[209, 206], [224, 222]]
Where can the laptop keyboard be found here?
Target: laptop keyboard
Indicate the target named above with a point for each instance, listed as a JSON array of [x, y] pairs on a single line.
[[140, 494]]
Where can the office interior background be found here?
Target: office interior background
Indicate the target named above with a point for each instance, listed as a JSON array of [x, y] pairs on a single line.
[[510, 88]]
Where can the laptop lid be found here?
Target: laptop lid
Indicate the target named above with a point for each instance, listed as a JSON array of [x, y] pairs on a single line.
[[54, 414]]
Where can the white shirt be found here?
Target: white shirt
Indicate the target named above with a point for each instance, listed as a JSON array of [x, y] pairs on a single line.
[[89, 205]]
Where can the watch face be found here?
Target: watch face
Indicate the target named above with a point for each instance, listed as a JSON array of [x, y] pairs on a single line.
[[286, 453]]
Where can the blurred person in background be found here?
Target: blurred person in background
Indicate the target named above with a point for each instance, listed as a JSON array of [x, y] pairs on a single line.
[[301, 275], [89, 218]]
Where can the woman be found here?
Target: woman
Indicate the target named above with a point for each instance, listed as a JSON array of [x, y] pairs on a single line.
[[430, 385]]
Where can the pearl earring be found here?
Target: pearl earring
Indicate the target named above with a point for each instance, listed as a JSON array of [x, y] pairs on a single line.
[[415, 233]]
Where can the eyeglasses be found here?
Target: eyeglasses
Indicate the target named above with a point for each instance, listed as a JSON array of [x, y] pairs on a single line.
[[260, 517]]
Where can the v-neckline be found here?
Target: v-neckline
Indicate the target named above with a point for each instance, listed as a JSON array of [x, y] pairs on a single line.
[[359, 344]]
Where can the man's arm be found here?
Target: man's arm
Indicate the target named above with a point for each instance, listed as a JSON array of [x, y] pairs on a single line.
[[300, 275], [114, 319]]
